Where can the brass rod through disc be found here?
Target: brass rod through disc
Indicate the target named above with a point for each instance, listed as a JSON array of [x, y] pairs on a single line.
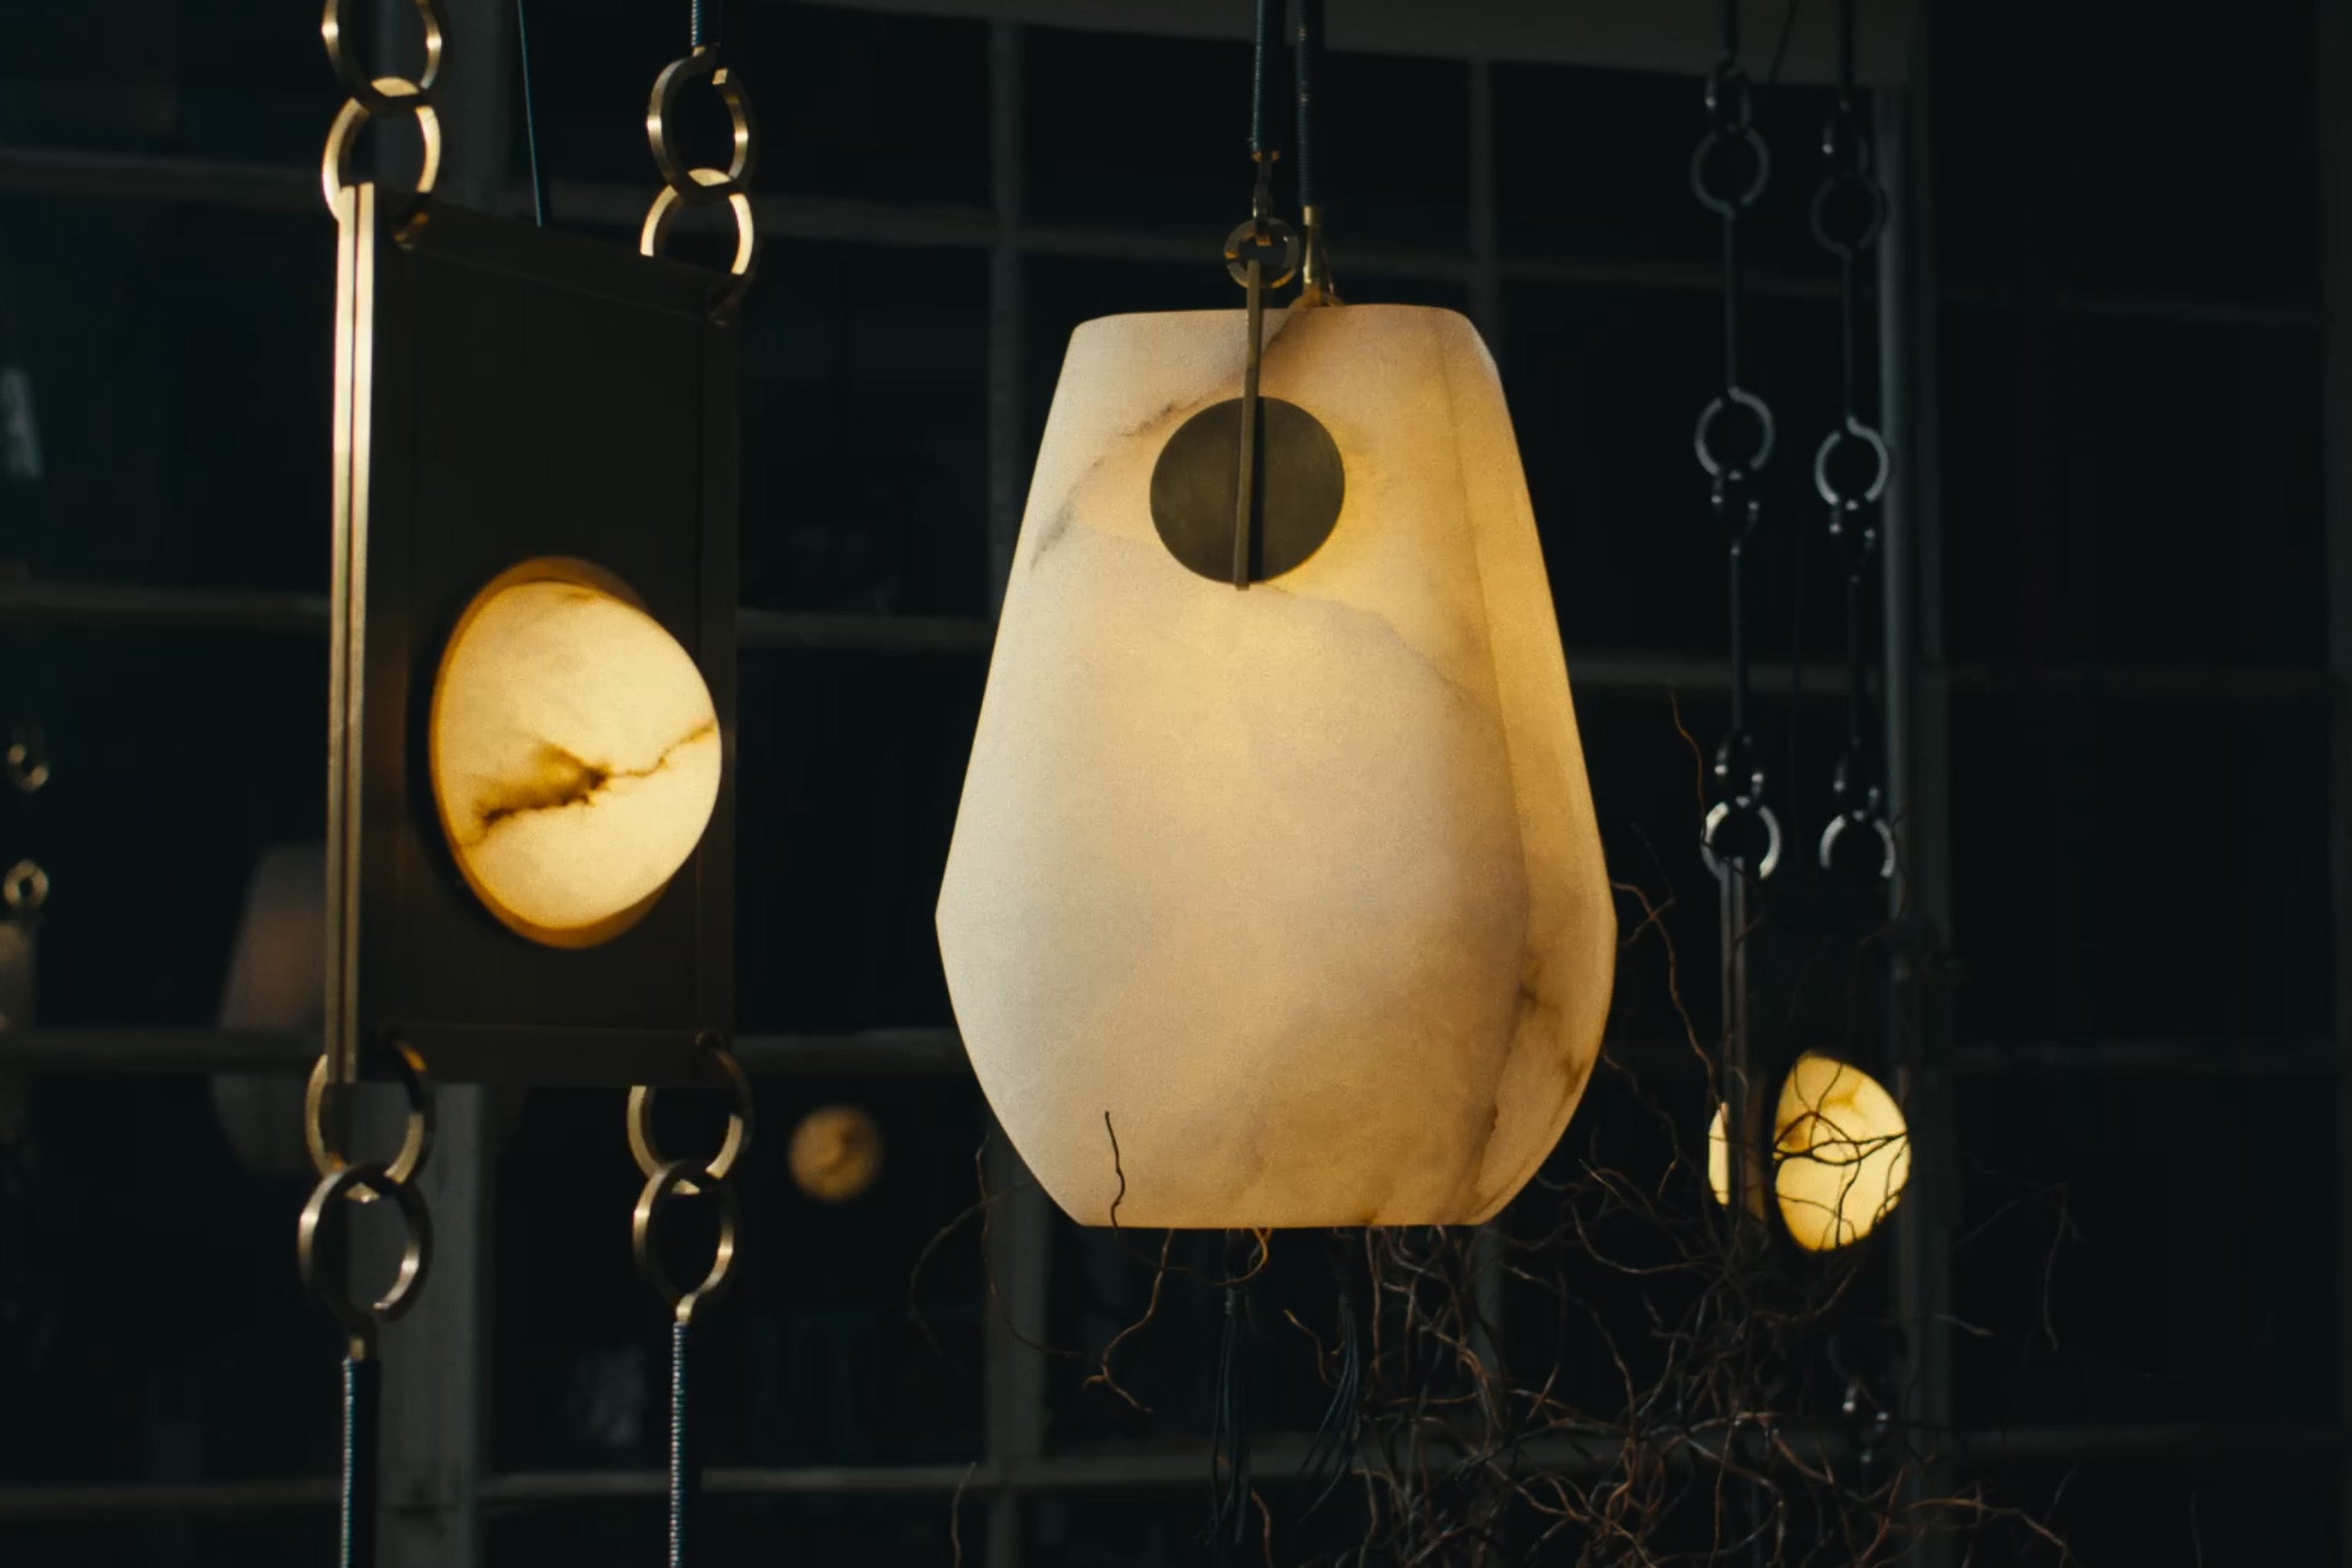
[[1299, 484]]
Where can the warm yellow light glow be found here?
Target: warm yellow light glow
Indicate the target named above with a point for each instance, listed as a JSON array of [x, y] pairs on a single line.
[[575, 753], [836, 1153], [1299, 886], [1840, 1157], [1844, 1153], [1719, 1159]]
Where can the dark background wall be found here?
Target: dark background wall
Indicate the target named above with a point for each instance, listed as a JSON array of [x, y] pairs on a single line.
[[2126, 631]]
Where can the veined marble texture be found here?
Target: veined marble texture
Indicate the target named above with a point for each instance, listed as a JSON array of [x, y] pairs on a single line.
[[575, 756], [1298, 886]]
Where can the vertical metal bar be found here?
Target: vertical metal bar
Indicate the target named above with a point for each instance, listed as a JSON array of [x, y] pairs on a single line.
[[1020, 1236], [1746, 1175], [1917, 730], [432, 1426], [1245, 481], [2332, 98], [433, 1429], [1019, 1229], [1008, 314]]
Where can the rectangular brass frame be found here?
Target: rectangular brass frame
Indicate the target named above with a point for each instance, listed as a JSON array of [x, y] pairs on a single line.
[[505, 393]]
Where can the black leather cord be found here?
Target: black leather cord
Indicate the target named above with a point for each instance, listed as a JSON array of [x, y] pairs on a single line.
[[1309, 59]]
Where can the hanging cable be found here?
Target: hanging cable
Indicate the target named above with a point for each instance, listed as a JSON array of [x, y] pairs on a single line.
[[1332, 1455], [530, 114], [1852, 466], [1316, 286], [1734, 440], [1230, 1488]]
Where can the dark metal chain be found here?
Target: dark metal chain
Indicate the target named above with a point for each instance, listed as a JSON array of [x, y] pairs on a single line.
[[1851, 465], [1729, 173]]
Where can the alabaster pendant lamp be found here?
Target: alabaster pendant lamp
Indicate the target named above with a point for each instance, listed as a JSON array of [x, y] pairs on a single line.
[[1841, 1153], [1275, 896]]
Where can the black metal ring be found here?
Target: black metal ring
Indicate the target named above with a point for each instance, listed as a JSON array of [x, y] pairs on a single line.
[[1274, 231], [327, 1208], [1719, 814], [1738, 202], [1721, 403], [682, 1178], [1847, 246], [1883, 464], [1836, 830]]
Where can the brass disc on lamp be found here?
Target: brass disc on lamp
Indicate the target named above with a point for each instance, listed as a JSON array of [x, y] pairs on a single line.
[[575, 753]]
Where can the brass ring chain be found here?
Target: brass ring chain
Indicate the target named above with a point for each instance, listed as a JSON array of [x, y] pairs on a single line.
[[382, 98], [686, 185], [25, 887], [710, 1179], [669, 1180], [345, 1184]]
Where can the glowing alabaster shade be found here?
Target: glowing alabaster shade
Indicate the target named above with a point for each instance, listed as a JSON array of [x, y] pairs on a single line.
[[575, 753], [1299, 885], [1841, 1154]]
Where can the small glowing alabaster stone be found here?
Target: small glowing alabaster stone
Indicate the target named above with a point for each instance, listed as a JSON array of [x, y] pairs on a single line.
[[1294, 891], [1844, 1153], [836, 1153], [575, 753], [1841, 1155]]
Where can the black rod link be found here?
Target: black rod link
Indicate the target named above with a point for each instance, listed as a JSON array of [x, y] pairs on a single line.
[[1733, 441], [1852, 465]]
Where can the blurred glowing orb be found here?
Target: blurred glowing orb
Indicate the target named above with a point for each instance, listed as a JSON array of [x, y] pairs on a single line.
[[836, 1153]]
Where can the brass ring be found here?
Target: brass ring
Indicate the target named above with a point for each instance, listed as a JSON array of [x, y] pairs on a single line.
[[376, 95], [649, 1157], [28, 760], [701, 187], [672, 1181], [25, 887], [416, 1140], [667, 206], [327, 1206], [343, 134], [335, 167], [1277, 234]]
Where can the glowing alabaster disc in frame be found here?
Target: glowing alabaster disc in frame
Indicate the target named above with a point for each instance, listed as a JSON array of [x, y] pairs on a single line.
[[575, 753], [1841, 1154], [1294, 891]]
